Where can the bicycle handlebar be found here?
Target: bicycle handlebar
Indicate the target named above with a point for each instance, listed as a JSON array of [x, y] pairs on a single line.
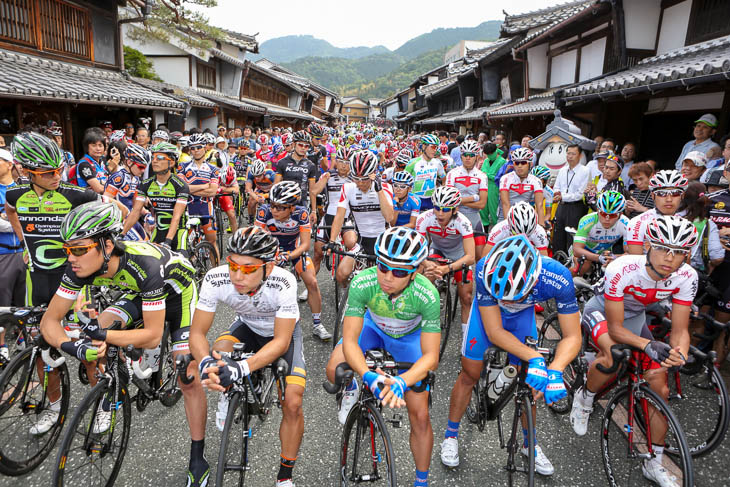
[[134, 355], [181, 364], [445, 261], [621, 353]]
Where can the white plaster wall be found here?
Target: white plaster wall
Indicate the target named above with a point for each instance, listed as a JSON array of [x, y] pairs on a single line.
[[537, 62], [562, 69], [591, 59], [674, 27], [642, 21]]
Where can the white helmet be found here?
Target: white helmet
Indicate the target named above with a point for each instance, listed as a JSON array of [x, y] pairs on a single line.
[[522, 154], [667, 179], [257, 168], [522, 219], [469, 145], [446, 196], [672, 231]]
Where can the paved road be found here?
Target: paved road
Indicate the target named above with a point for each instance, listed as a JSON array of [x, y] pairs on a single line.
[[159, 443]]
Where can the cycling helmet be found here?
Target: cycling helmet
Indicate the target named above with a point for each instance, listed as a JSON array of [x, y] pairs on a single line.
[[286, 193], [399, 246], [522, 219], [277, 149], [364, 144], [209, 138], [541, 172], [430, 139], [56, 131], [93, 219], [403, 177], [344, 154], [197, 140], [117, 135], [522, 154], [668, 179], [302, 136], [446, 196], [184, 141], [512, 269], [363, 163], [161, 134], [254, 242], [443, 148], [316, 130], [258, 167], [287, 139], [403, 158], [469, 146], [227, 176], [611, 202], [672, 231], [165, 148], [137, 154], [262, 139], [36, 152]]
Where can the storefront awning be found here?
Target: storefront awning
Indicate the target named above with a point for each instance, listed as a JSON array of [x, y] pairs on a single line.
[[220, 98], [543, 104]]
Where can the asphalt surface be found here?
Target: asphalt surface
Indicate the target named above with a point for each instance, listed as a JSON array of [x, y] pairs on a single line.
[[159, 442]]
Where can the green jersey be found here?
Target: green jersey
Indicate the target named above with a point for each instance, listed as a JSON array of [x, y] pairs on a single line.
[[417, 307], [596, 237], [425, 174], [163, 199]]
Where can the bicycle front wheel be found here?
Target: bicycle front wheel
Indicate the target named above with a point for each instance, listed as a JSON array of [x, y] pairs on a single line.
[[222, 224], [203, 257], [92, 451], [337, 332], [522, 405], [165, 377], [366, 453], [16, 337], [446, 319], [624, 443], [26, 434], [233, 454]]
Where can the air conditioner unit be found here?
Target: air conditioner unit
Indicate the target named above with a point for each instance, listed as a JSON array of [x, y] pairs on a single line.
[[468, 102]]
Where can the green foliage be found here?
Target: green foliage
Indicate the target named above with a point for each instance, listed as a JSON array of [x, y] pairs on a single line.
[[288, 48], [138, 65], [334, 72], [439, 38]]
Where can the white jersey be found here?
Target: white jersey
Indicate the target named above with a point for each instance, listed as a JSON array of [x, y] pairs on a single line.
[[469, 184], [636, 233], [519, 190], [334, 188], [277, 298], [501, 231], [365, 208], [450, 240]]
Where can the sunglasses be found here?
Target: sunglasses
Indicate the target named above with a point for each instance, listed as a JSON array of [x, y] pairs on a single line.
[[360, 178], [520, 163], [610, 216], [162, 157], [397, 271], [51, 172], [316, 138], [280, 207], [433, 146], [663, 249], [468, 154], [140, 166], [663, 193], [443, 209], [243, 268], [300, 144], [401, 186], [196, 147], [79, 250]]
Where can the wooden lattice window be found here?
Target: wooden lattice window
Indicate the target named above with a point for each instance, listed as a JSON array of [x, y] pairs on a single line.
[[17, 21], [708, 20], [206, 76]]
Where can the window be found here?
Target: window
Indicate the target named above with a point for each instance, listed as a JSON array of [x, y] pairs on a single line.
[[206, 76], [348, 110], [708, 20]]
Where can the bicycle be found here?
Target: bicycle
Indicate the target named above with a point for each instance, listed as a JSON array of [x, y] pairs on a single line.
[[483, 408], [333, 261], [248, 397], [16, 336], [443, 284], [202, 254], [365, 427], [86, 448]]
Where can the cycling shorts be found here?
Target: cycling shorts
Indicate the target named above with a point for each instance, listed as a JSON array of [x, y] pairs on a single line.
[[136, 234], [226, 203], [480, 238], [179, 243], [594, 322], [720, 277], [297, 263], [239, 332], [476, 341], [41, 286], [458, 274], [207, 224], [426, 204], [323, 234], [367, 244]]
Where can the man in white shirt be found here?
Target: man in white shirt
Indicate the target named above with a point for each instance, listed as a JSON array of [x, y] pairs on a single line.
[[628, 154], [572, 179], [704, 130]]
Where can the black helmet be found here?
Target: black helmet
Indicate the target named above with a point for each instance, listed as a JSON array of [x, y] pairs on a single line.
[[302, 136], [286, 193], [254, 242], [36, 152], [316, 130]]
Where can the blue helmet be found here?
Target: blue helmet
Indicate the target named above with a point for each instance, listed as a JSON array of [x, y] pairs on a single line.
[[430, 139], [399, 246], [403, 177], [364, 143], [512, 269]]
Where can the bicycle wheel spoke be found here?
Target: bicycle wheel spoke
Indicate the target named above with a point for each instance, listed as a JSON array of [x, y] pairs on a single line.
[[366, 454]]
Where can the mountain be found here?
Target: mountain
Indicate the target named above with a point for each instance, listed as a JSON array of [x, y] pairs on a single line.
[[335, 72], [289, 48], [441, 37]]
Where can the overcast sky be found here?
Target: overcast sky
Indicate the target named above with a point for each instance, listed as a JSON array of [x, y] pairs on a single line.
[[368, 23]]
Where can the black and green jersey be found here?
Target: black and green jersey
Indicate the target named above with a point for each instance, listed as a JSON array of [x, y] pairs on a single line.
[[146, 270], [41, 218], [163, 199]]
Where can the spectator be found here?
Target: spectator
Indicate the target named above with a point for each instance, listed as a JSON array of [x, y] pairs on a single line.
[[221, 130], [596, 165], [717, 164], [443, 137], [693, 165], [90, 171], [2, 141], [107, 127], [570, 183], [716, 182], [493, 162], [708, 252], [640, 199], [500, 140], [525, 142], [628, 154], [143, 137], [704, 130], [453, 143], [455, 153], [599, 141]]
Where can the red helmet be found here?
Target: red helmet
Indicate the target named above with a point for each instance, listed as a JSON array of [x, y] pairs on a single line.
[[287, 139], [263, 139], [443, 148], [227, 176]]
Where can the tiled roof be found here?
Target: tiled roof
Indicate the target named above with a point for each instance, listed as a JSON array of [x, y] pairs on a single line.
[[568, 13], [443, 118], [438, 86], [514, 24], [480, 54], [188, 94], [227, 58], [241, 40], [219, 97], [476, 113], [697, 60], [280, 111], [544, 102], [26, 76], [280, 77]]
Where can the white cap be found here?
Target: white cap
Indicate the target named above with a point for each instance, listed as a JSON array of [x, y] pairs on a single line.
[[219, 139], [6, 155], [698, 158], [708, 119]]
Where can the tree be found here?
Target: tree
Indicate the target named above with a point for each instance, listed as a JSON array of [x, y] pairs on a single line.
[[138, 65]]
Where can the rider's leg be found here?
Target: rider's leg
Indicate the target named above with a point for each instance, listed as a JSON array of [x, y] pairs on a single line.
[[421, 438], [465, 290], [461, 392], [232, 221], [344, 270]]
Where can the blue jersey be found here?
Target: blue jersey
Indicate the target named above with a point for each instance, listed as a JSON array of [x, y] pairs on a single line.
[[193, 174], [410, 207], [286, 232], [122, 185], [9, 243], [555, 281]]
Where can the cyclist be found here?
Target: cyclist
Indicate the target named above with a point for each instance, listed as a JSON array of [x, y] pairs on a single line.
[[263, 296], [227, 187], [521, 220], [286, 220], [392, 306], [202, 180], [543, 174], [452, 238], [511, 279], [472, 184], [370, 202], [337, 179], [667, 189], [598, 232], [616, 315], [296, 167], [258, 184], [122, 185], [405, 205], [399, 165], [519, 185], [168, 194], [426, 170], [159, 288], [317, 153]]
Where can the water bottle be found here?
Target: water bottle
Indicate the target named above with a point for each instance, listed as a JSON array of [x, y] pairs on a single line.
[[151, 359], [502, 382], [589, 356]]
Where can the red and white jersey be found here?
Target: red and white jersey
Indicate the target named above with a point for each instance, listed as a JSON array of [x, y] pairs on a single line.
[[519, 189], [637, 227], [365, 208], [627, 280], [469, 183], [450, 240], [500, 231]]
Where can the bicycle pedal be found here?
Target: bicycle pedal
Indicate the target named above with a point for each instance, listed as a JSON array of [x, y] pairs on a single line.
[[675, 396], [396, 421]]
